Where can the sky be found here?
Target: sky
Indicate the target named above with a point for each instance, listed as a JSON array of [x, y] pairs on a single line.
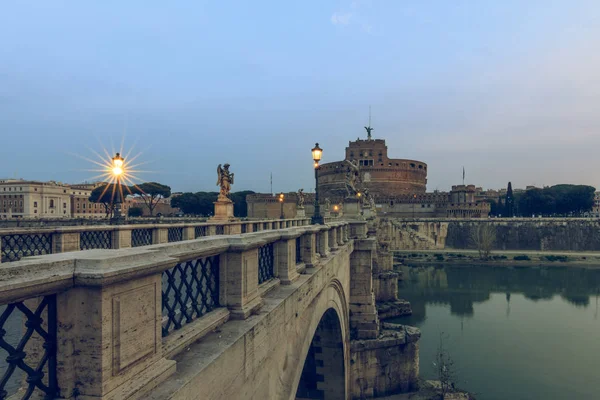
[[508, 89]]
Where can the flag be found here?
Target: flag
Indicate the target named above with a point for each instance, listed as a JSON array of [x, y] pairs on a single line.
[[463, 174]]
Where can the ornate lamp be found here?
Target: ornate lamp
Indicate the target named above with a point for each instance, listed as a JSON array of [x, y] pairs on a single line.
[[117, 171], [281, 201], [317, 154]]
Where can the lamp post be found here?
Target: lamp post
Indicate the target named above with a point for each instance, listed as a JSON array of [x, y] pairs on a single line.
[[317, 153], [117, 171], [281, 200]]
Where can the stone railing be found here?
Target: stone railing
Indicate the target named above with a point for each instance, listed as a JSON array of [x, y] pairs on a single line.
[[16, 243], [107, 323]]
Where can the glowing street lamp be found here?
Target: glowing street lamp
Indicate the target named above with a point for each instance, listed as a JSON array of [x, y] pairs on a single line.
[[317, 154], [117, 170], [281, 201]]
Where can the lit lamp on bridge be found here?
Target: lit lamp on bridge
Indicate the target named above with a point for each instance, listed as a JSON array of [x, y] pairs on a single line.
[[117, 172], [317, 154], [281, 201]]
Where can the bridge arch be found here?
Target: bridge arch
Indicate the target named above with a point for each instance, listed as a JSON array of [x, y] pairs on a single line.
[[323, 368]]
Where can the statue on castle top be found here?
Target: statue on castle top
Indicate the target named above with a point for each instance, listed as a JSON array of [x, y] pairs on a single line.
[[301, 196], [352, 177], [224, 180], [369, 130]]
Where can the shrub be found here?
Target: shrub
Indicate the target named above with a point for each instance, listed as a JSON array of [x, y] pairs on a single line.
[[522, 258], [556, 258], [439, 257]]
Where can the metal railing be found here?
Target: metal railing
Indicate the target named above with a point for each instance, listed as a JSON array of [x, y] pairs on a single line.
[[299, 250], [266, 263], [189, 291], [141, 237], [28, 349], [95, 240], [16, 246], [174, 234]]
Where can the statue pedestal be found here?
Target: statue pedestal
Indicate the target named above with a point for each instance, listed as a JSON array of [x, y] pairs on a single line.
[[223, 211], [300, 213], [367, 212], [327, 214], [352, 208]]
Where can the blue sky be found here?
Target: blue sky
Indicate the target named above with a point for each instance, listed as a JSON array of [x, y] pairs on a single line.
[[509, 89]]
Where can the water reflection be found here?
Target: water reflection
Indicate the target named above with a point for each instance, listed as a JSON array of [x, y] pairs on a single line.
[[514, 333], [463, 287]]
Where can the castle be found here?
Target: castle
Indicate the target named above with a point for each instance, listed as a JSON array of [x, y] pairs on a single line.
[[399, 187]]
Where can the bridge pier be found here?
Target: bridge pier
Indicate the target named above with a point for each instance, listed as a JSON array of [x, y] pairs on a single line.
[[384, 357]]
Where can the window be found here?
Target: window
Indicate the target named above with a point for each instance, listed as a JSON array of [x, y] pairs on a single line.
[[84, 206], [21, 203], [35, 211], [35, 189], [77, 205], [65, 191], [35, 203], [51, 203], [64, 205]]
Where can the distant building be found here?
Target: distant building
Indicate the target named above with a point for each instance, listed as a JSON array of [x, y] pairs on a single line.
[[33, 199], [596, 206], [399, 187]]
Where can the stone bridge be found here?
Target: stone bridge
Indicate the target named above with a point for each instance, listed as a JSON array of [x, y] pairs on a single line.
[[286, 313]]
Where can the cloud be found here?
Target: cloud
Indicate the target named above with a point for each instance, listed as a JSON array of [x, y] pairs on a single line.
[[338, 18]]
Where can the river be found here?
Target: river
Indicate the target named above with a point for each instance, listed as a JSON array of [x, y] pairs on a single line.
[[512, 333]]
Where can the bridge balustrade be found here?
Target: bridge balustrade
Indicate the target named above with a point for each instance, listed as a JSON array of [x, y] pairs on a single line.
[[92, 322], [25, 242]]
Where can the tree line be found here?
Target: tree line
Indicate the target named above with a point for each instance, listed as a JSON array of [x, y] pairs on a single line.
[[150, 193], [201, 203], [558, 200]]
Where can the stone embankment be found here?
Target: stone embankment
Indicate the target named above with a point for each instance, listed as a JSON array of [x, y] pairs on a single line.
[[519, 234]]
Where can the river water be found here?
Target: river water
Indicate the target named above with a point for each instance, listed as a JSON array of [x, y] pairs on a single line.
[[512, 333]]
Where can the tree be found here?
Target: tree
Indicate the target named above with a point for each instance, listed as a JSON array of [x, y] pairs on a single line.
[[200, 203], [483, 237], [135, 212], [556, 200], [509, 203], [444, 366], [151, 193], [106, 194]]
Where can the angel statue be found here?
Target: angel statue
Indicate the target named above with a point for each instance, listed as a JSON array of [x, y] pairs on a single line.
[[224, 180], [300, 195], [352, 177], [327, 204]]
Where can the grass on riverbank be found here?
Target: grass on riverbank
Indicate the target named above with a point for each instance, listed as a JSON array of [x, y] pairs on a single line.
[[498, 257]]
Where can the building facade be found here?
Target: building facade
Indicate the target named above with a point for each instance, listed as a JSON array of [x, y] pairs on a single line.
[[381, 175], [33, 199], [596, 206]]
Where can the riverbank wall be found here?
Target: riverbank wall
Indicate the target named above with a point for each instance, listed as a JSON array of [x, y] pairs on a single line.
[[521, 234]]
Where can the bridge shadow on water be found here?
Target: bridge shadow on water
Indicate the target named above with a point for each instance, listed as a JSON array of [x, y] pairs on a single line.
[[323, 375]]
